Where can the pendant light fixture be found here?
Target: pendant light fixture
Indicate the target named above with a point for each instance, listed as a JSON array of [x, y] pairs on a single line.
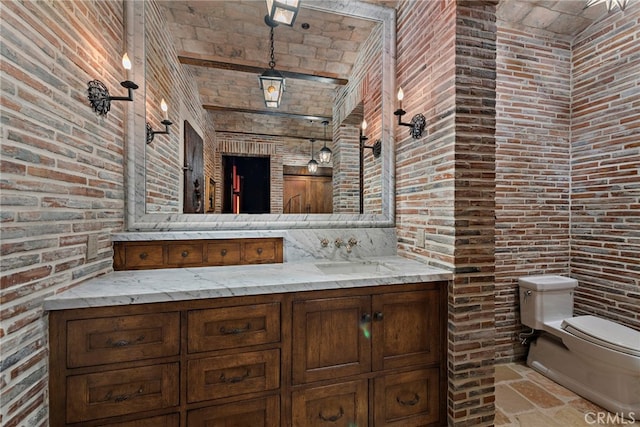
[[283, 11], [325, 152], [312, 166], [271, 81], [611, 4]]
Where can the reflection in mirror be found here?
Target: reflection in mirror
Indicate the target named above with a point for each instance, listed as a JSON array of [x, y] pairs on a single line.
[[204, 58]]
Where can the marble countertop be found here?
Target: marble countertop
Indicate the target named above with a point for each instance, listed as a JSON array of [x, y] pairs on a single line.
[[179, 284]]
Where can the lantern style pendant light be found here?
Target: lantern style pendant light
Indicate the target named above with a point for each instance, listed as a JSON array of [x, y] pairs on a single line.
[[283, 11], [312, 166], [325, 152], [271, 81]]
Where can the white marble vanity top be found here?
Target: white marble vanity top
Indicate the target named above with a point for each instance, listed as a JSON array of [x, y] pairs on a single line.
[[179, 284]]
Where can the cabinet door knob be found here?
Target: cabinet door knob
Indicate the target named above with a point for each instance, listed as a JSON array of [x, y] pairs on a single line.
[[378, 316], [185, 254], [259, 250], [366, 318], [144, 255], [223, 252]]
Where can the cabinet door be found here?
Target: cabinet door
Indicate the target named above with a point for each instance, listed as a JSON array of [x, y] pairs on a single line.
[[330, 339], [337, 405], [252, 413], [406, 329], [408, 399]]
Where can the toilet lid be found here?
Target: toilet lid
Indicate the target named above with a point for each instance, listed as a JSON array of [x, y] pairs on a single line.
[[605, 333]]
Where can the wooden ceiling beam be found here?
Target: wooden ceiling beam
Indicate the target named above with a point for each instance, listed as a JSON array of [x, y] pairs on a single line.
[[187, 60], [265, 112]]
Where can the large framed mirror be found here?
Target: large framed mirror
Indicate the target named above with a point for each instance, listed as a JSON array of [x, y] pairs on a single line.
[[157, 172]]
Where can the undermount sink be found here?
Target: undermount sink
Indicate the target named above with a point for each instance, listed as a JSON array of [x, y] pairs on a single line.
[[352, 267]]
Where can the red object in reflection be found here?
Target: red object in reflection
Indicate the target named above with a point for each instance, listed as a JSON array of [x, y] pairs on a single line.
[[235, 191]]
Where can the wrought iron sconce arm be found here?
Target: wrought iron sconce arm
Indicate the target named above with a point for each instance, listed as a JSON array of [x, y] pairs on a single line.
[[376, 147], [417, 123], [151, 133], [100, 99]]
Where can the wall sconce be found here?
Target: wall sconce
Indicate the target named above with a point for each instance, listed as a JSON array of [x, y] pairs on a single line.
[[99, 97], [165, 122], [283, 11], [376, 147], [312, 166], [325, 152], [417, 122]]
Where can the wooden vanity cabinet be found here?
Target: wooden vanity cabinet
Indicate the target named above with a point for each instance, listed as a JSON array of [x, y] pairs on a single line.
[[147, 255], [393, 339], [363, 356]]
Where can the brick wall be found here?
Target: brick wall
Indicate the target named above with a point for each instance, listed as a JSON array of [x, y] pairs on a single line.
[[605, 163], [532, 170], [167, 78], [445, 181], [567, 166], [62, 177]]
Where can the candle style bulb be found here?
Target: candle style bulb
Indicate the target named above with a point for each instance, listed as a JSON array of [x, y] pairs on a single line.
[[364, 125], [400, 98], [165, 108], [126, 62]]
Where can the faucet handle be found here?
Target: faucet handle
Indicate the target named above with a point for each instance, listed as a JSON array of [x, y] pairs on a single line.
[[339, 242], [324, 242], [353, 241]]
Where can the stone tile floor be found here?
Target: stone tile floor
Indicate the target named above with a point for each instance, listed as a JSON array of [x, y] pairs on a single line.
[[525, 398]]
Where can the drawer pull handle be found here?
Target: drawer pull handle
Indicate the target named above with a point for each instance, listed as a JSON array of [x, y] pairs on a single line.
[[234, 380], [378, 316], [411, 402], [122, 397], [124, 343], [235, 331], [332, 418], [223, 252], [144, 255], [185, 254], [259, 250]]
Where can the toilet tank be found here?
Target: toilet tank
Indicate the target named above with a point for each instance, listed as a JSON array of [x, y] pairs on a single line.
[[545, 298]]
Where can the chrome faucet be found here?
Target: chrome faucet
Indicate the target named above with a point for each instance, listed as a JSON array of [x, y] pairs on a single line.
[[351, 243]]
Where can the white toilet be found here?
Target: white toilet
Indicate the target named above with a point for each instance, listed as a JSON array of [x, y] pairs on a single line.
[[594, 357]]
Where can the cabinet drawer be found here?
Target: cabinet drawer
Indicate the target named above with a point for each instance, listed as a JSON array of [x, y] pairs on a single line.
[[120, 339], [172, 420], [184, 254], [230, 327], [261, 252], [223, 253], [344, 404], [120, 392], [143, 256], [250, 413], [407, 399], [232, 375]]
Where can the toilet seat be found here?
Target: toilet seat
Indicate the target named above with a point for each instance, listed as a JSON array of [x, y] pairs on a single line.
[[605, 333]]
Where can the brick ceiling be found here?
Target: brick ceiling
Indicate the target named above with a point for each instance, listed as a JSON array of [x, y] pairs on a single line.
[[234, 32]]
